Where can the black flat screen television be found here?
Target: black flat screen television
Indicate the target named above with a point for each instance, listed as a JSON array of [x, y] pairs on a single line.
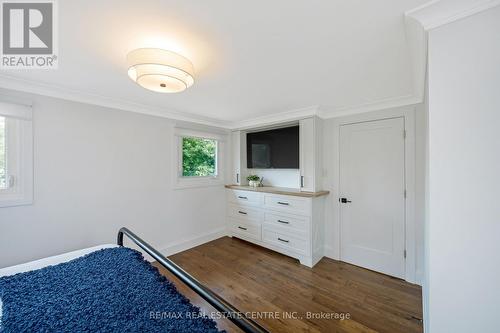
[[273, 149]]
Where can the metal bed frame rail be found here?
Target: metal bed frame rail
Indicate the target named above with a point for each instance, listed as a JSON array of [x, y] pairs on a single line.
[[228, 311]]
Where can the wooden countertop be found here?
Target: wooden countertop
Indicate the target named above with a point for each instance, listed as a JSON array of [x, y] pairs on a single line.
[[279, 190]]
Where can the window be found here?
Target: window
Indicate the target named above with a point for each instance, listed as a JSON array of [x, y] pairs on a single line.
[[16, 155], [199, 157]]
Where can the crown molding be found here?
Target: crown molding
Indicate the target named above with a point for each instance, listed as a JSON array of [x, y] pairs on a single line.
[[327, 112], [276, 118], [37, 88], [440, 12]]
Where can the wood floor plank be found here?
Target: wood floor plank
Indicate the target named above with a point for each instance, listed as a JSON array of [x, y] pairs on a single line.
[[255, 279]]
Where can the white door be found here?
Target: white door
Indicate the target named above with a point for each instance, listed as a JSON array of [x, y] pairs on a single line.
[[372, 185]]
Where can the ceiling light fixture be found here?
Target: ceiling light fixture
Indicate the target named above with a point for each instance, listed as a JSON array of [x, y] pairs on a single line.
[[160, 70]]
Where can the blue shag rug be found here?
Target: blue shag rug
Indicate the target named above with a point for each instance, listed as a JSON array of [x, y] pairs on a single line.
[[110, 290]]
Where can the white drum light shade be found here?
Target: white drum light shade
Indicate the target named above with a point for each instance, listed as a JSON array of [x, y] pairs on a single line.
[[160, 70]]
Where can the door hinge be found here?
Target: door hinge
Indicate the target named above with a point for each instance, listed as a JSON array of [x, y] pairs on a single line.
[[404, 254], [404, 193], [404, 134]]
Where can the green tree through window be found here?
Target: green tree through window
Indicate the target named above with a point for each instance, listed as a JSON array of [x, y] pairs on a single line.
[[198, 157]]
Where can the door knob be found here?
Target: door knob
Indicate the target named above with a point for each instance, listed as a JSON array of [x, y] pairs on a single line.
[[344, 200]]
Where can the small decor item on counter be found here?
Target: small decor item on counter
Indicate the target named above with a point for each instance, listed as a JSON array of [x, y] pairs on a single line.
[[254, 181]]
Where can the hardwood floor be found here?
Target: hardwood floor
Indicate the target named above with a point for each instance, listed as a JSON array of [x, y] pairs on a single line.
[[255, 279]]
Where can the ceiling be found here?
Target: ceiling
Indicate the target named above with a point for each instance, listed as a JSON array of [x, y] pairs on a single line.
[[252, 59]]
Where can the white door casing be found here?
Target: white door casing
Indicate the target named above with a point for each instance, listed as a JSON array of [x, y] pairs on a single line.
[[372, 177]]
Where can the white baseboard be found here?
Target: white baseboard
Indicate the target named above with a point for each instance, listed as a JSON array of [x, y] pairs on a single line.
[[419, 277], [187, 243], [329, 252]]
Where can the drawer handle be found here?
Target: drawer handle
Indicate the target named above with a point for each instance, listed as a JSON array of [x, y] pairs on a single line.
[[284, 222], [243, 213], [242, 228], [244, 198], [283, 203], [283, 240]]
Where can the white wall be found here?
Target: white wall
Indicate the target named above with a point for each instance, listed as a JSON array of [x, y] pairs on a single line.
[[462, 291], [97, 169], [421, 160], [331, 183]]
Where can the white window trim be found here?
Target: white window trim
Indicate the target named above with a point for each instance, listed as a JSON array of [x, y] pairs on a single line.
[[181, 182], [20, 117]]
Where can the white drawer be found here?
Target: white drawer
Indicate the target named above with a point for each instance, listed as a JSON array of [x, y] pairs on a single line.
[[244, 197], [285, 240], [246, 230], [288, 221], [287, 203], [244, 212]]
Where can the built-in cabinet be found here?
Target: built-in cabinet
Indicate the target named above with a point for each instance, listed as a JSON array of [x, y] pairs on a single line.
[[310, 131], [289, 221], [236, 157], [310, 160], [289, 224]]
